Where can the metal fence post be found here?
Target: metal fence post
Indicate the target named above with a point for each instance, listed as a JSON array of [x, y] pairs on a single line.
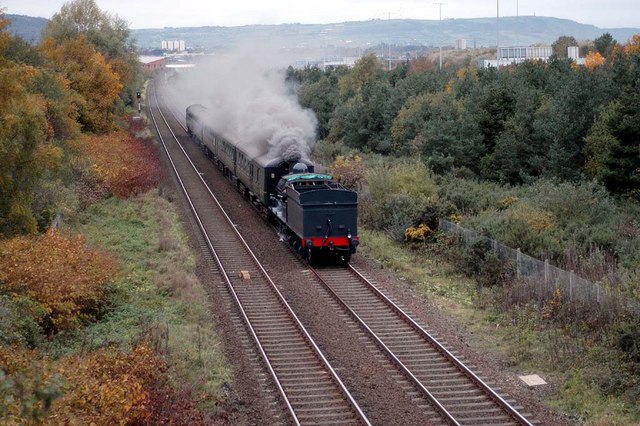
[[518, 257], [571, 280]]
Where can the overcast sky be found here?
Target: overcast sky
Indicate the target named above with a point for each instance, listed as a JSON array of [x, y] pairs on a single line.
[[183, 13]]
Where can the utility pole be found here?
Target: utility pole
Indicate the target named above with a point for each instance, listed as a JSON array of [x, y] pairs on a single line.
[[389, 19], [497, 35], [440, 25]]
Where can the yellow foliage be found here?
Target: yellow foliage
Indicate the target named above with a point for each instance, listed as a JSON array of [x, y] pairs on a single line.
[[506, 202], [455, 218], [417, 234], [91, 76], [348, 170], [538, 220], [449, 87]]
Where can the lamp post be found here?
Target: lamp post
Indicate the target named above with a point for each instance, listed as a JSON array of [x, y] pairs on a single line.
[[440, 25]]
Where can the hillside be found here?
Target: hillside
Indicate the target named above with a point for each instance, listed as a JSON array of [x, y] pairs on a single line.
[[521, 30], [27, 27], [405, 32]]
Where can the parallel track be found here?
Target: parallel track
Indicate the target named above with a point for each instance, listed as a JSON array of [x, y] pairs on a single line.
[[451, 388], [309, 387]]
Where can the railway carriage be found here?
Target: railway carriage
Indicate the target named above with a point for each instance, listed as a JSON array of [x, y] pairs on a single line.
[[314, 213]]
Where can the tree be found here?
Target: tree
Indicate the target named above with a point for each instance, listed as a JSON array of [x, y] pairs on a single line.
[[90, 76], [613, 146], [593, 60], [561, 45], [604, 44], [109, 35], [364, 73], [322, 98]]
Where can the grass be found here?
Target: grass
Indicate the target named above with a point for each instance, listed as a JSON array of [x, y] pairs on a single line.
[[517, 336], [157, 295]]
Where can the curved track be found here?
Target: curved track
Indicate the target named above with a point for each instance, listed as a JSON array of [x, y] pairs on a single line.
[[309, 387], [458, 394]]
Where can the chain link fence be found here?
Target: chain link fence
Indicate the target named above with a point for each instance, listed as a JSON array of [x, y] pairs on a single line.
[[544, 279]]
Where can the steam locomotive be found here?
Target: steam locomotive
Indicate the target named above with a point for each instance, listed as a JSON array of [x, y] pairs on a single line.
[[315, 214]]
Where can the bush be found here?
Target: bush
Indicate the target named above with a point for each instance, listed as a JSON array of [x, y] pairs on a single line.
[[107, 387], [484, 265], [396, 196], [104, 387], [28, 386], [120, 164], [60, 273]]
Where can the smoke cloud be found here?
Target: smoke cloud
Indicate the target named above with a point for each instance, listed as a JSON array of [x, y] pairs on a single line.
[[248, 102]]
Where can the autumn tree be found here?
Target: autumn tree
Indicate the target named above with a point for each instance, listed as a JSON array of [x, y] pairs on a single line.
[[363, 74], [37, 113], [593, 60], [109, 34], [90, 76]]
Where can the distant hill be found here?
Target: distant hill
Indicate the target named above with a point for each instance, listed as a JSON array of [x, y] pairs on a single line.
[[27, 27], [481, 32], [524, 30]]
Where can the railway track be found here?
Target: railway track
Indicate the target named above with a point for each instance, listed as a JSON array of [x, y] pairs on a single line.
[[451, 388], [308, 386]]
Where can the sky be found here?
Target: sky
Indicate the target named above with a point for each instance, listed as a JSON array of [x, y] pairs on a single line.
[[185, 13]]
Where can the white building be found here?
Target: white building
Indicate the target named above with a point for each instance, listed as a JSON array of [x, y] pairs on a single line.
[[173, 45], [518, 54], [461, 44]]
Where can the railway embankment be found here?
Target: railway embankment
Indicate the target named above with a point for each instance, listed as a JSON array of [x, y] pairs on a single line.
[[107, 321]]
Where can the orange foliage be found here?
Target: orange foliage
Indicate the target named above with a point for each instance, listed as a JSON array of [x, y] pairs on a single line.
[[593, 60], [122, 164], [28, 387], [422, 64], [60, 273], [104, 387], [633, 47], [107, 387]]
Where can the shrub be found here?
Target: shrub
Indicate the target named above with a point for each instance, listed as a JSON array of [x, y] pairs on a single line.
[[349, 170], [104, 387], [121, 164], [484, 265], [107, 387], [396, 196], [60, 273], [28, 386], [417, 234]]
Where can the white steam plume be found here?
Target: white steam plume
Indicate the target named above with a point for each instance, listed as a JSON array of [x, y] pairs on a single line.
[[248, 102]]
